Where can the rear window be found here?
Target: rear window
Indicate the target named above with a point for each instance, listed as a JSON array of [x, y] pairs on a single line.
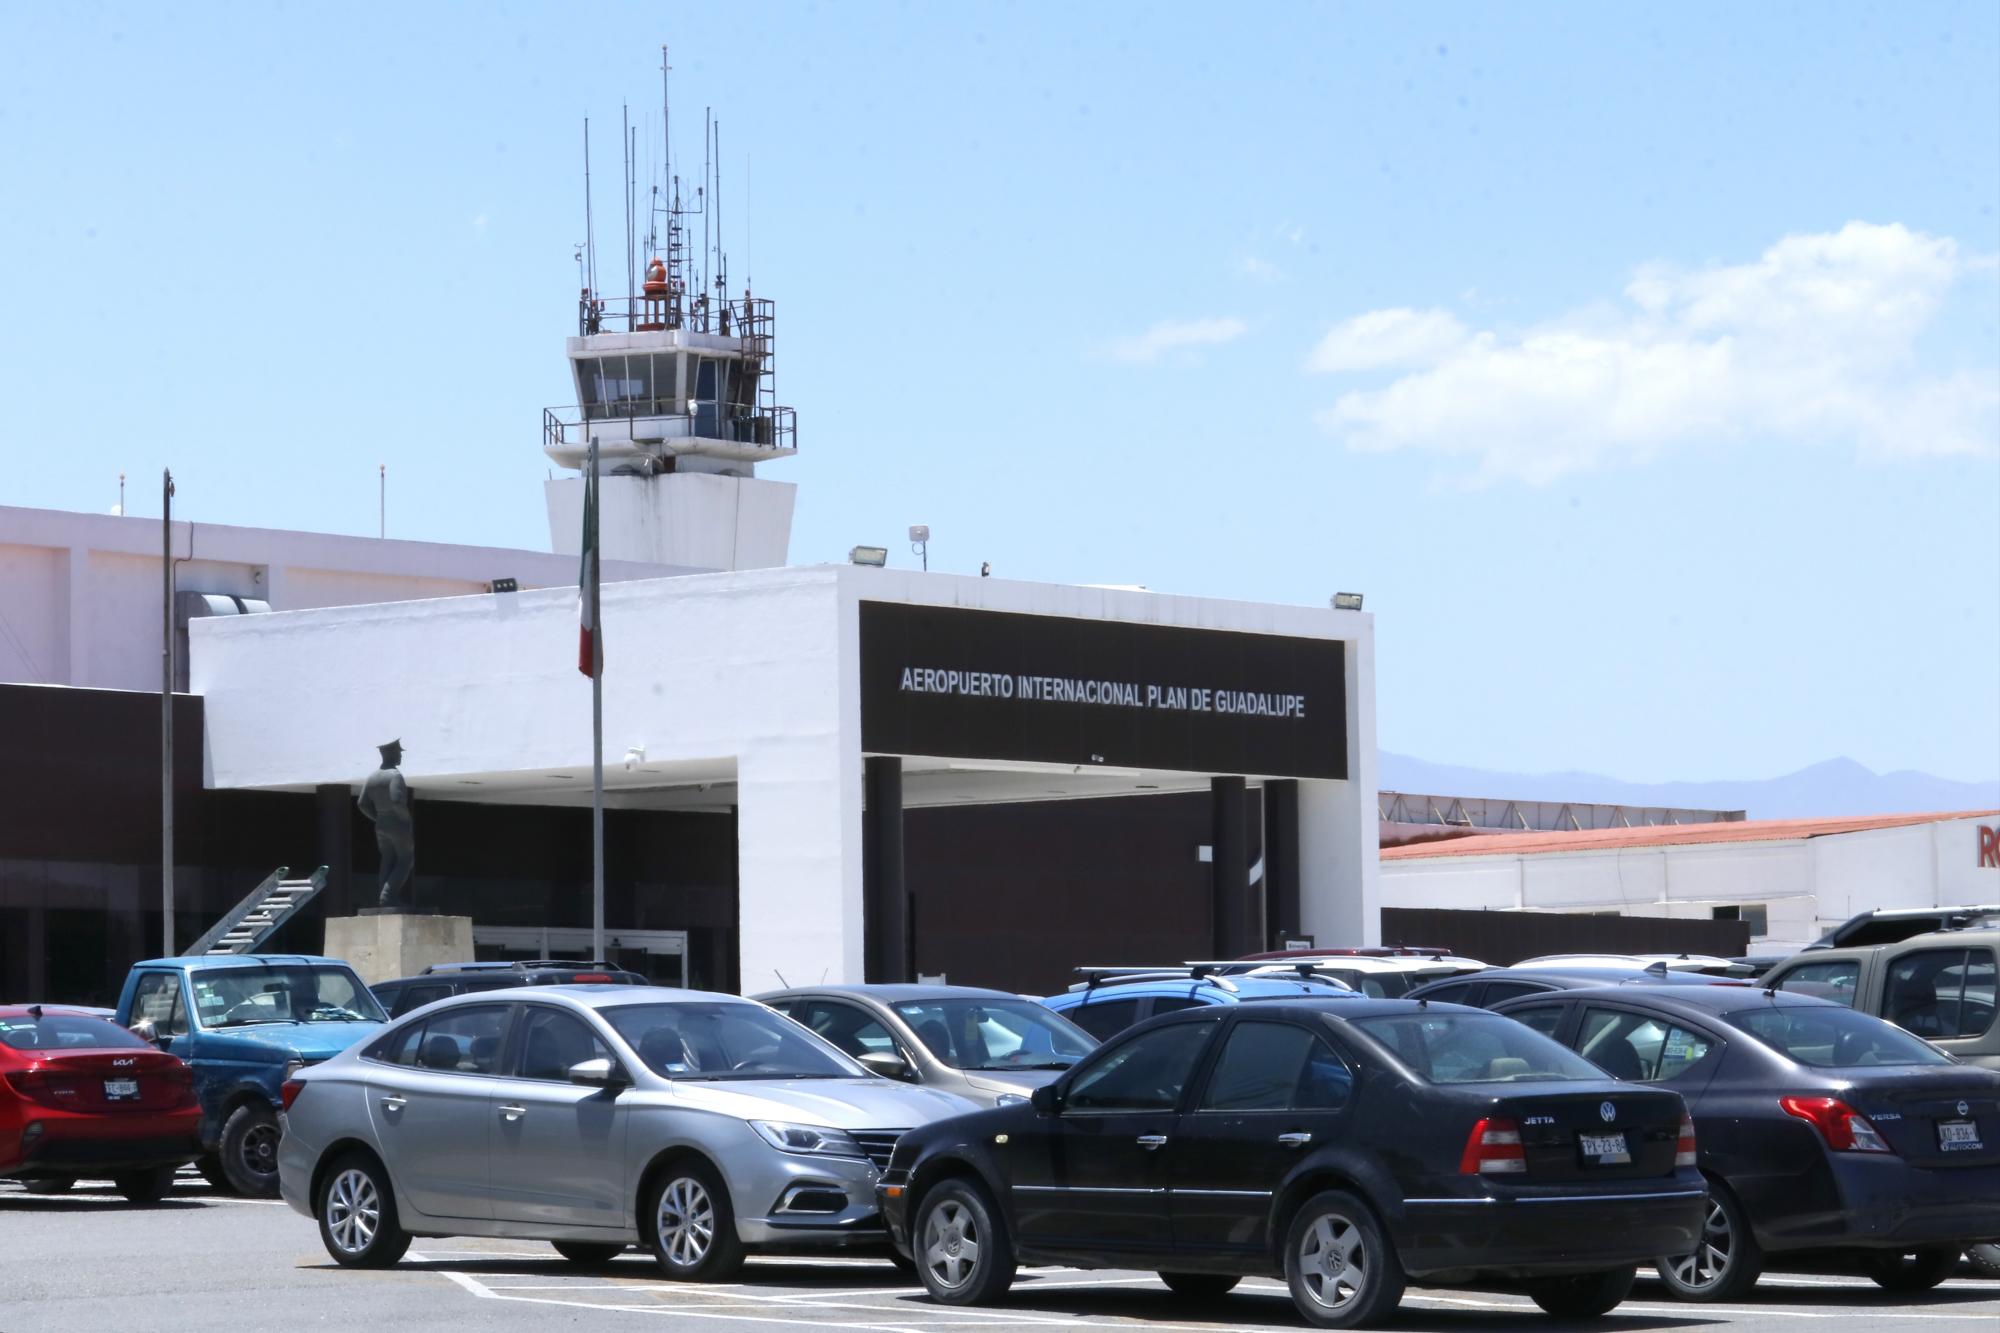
[[1476, 1048], [1829, 1038], [64, 1032]]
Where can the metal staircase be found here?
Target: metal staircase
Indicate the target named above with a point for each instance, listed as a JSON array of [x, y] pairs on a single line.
[[255, 919]]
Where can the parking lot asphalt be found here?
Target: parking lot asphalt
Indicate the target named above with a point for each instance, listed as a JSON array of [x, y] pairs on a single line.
[[202, 1259]]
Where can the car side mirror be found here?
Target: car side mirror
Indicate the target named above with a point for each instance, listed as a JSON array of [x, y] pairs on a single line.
[[888, 1066], [598, 1073], [145, 1030], [1046, 1099]]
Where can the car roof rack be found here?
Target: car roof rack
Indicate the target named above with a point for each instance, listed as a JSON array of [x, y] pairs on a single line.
[[1094, 977], [1272, 969], [526, 965]]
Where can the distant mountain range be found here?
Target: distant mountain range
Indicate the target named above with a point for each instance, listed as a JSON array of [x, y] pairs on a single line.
[[1836, 787]]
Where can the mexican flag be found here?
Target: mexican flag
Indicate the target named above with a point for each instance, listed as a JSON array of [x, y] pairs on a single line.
[[590, 632]]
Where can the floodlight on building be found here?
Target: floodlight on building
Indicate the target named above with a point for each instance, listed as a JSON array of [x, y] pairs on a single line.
[[874, 556], [505, 585], [1346, 601]]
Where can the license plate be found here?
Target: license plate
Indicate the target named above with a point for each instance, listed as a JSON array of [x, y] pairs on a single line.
[[1606, 1148], [120, 1089], [1958, 1134]]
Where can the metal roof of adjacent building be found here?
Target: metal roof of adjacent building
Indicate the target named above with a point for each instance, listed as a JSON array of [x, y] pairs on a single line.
[[1663, 835]]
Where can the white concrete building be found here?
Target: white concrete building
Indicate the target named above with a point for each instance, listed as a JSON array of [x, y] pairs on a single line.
[[1791, 879], [765, 727]]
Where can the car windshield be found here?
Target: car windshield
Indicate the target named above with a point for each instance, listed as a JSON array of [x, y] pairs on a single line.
[[282, 993], [996, 1033], [1476, 1048], [725, 1040], [64, 1032], [1830, 1037]]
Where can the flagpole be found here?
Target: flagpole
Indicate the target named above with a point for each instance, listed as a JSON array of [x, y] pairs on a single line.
[[596, 732]]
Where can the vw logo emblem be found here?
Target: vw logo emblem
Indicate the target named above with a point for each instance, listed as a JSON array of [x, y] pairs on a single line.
[[1964, 1109], [1608, 1111]]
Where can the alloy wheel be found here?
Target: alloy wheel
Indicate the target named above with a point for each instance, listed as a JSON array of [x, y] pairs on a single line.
[[1709, 1264], [1333, 1262], [686, 1221], [951, 1243], [353, 1211]]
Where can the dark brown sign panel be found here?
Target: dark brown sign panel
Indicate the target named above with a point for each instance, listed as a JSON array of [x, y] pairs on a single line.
[[1056, 689]]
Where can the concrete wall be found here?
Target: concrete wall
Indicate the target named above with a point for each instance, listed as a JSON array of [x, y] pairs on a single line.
[[1806, 884], [80, 593]]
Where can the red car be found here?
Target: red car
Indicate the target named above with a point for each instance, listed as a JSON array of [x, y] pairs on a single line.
[[80, 1096]]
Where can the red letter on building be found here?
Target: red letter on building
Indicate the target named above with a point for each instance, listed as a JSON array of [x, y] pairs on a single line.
[[1989, 846]]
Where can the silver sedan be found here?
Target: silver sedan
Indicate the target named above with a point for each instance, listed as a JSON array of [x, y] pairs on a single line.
[[985, 1045], [595, 1117]]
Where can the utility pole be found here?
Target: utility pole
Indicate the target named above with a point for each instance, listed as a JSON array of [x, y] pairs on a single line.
[[167, 713]]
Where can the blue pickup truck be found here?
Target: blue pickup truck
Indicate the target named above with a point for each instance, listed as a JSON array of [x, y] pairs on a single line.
[[246, 1022]]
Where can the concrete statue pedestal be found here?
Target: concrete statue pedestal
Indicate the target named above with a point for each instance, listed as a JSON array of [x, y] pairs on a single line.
[[385, 945]]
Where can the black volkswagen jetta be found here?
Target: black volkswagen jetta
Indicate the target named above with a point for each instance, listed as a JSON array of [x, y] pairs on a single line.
[[1822, 1129], [1347, 1145]]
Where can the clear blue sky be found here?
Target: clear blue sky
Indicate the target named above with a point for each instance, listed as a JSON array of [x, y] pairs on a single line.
[[1544, 326]]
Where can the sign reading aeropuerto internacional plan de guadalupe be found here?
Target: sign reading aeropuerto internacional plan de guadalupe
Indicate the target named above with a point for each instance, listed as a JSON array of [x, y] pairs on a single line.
[[998, 685]]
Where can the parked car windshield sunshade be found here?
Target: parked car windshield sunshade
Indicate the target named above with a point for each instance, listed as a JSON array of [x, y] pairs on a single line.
[[996, 1034], [1830, 1038], [1476, 1048], [64, 1032], [240, 996], [723, 1040]]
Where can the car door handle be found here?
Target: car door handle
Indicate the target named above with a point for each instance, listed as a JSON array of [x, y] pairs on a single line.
[[1152, 1141], [513, 1112], [393, 1102], [1295, 1139]]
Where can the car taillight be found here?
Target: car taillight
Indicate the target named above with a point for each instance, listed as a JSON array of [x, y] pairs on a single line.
[[1684, 1151], [180, 1078], [582, 977], [289, 1091], [38, 1085], [1493, 1148], [1844, 1128]]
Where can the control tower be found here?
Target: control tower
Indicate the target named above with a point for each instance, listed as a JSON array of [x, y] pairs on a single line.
[[676, 383]]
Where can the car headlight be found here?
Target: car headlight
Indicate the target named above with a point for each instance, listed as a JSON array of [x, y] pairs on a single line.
[[815, 1140], [1010, 1099]]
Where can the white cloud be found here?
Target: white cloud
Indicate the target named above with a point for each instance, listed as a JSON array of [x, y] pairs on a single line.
[[1815, 340], [1258, 269], [1175, 336], [1384, 338]]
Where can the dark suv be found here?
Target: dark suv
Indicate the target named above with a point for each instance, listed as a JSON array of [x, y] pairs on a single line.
[[443, 979]]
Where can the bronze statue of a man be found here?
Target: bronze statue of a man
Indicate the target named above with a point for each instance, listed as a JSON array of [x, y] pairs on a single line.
[[385, 799]]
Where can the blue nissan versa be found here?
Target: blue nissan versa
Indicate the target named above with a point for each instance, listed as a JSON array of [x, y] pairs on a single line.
[[1348, 1144], [1110, 999]]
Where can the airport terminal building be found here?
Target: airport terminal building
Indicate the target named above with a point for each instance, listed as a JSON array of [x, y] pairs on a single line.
[[831, 771]]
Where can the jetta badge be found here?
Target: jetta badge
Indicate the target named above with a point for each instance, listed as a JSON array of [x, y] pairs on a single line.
[[1964, 1108], [1608, 1111]]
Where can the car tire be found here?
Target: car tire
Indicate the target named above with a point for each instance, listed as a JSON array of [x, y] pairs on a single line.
[[1583, 1295], [50, 1185], [1985, 1259], [144, 1186], [356, 1208], [210, 1166], [249, 1151], [1339, 1264], [690, 1225], [588, 1253], [1918, 1270], [1728, 1261], [1201, 1286], [954, 1217]]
